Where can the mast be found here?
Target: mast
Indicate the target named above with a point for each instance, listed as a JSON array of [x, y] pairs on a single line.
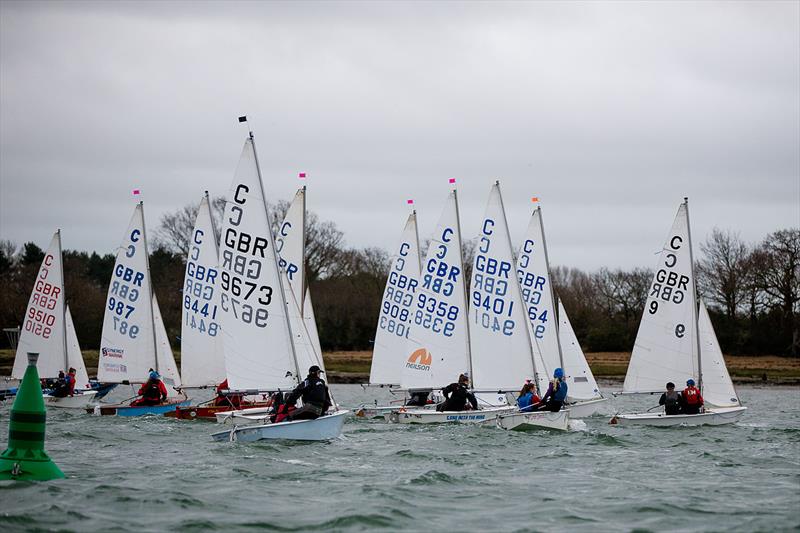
[[519, 288], [416, 234], [694, 299], [150, 281], [277, 263], [466, 296], [550, 283], [303, 266], [213, 225], [64, 303]]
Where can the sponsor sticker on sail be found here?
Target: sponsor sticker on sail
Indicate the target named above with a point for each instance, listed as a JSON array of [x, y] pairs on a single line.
[[420, 359]]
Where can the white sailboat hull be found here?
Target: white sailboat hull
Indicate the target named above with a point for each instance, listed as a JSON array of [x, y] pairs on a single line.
[[380, 411], [536, 420], [243, 416], [79, 401], [323, 428], [430, 416], [712, 417], [586, 408]]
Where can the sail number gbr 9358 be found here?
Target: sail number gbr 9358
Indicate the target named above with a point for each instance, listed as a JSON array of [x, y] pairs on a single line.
[[491, 299], [243, 258], [434, 311]]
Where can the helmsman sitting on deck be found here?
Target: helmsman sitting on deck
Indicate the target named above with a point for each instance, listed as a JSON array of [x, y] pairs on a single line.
[[315, 394], [556, 394], [457, 395], [153, 392], [671, 400]]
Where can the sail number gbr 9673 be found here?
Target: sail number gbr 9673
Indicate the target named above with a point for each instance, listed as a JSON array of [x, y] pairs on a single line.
[[242, 260]]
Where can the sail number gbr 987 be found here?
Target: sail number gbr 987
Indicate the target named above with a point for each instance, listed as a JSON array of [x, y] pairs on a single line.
[[242, 259]]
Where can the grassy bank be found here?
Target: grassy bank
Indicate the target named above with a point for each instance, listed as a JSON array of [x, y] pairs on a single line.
[[354, 366]]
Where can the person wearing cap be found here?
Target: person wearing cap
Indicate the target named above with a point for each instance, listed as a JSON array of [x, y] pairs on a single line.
[[691, 400], [556, 394], [457, 395], [527, 396], [671, 400], [152, 392], [315, 395]]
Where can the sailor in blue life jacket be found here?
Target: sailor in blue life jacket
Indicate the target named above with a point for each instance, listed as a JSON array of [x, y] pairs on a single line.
[[556, 394], [691, 400], [527, 396], [671, 400], [315, 395]]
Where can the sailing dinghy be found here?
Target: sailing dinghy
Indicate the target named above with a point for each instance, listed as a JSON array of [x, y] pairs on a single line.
[[202, 358], [134, 340], [257, 312], [675, 342], [552, 333], [49, 331], [395, 319]]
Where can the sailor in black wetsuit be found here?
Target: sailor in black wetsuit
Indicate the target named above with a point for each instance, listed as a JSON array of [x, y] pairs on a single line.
[[457, 395], [418, 398], [315, 395], [671, 400]]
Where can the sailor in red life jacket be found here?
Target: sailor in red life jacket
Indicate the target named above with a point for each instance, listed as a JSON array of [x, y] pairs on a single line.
[[71, 381], [154, 392], [691, 399]]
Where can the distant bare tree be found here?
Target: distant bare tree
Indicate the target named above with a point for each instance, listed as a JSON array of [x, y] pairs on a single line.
[[723, 271], [623, 292], [779, 277]]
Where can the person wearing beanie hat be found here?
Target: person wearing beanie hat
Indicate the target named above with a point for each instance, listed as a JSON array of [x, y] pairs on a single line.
[[457, 395], [315, 395]]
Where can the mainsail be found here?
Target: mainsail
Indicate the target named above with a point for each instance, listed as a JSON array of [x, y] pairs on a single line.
[[259, 352], [202, 359], [74, 356], [43, 329], [535, 281], [580, 380], [438, 343], [127, 345], [502, 356], [717, 385], [666, 344], [397, 308]]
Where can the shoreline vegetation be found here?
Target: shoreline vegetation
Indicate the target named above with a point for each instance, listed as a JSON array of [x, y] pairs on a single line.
[[353, 366]]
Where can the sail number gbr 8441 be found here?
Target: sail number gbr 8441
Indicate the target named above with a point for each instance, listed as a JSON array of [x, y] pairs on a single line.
[[242, 260]]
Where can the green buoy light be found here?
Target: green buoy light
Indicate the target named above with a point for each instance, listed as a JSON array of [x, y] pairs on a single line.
[[25, 458]]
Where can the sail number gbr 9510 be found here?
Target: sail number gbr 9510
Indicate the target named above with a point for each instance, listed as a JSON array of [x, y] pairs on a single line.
[[243, 258]]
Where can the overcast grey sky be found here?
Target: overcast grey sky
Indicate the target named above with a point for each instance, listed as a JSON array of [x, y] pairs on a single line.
[[611, 113]]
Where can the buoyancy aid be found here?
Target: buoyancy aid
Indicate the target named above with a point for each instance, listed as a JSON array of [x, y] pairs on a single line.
[[152, 391], [691, 395], [560, 391]]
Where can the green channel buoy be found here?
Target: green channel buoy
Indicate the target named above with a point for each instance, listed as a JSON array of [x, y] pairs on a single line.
[[25, 458]]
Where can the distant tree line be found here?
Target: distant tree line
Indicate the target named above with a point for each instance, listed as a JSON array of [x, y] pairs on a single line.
[[752, 290]]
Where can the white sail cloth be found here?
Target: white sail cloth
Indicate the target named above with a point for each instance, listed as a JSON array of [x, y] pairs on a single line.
[[717, 385], [397, 308], [502, 355], [202, 359], [666, 344], [259, 352], [580, 380], [438, 343]]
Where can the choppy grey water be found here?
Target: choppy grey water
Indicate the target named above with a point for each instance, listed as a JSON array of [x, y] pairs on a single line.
[[158, 474]]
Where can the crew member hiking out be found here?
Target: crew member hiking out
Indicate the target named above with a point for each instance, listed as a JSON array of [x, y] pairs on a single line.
[[556, 394], [153, 392], [315, 395], [691, 400], [671, 400], [457, 395]]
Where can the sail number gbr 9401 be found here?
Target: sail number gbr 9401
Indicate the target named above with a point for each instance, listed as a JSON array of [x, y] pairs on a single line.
[[491, 299], [242, 260]]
